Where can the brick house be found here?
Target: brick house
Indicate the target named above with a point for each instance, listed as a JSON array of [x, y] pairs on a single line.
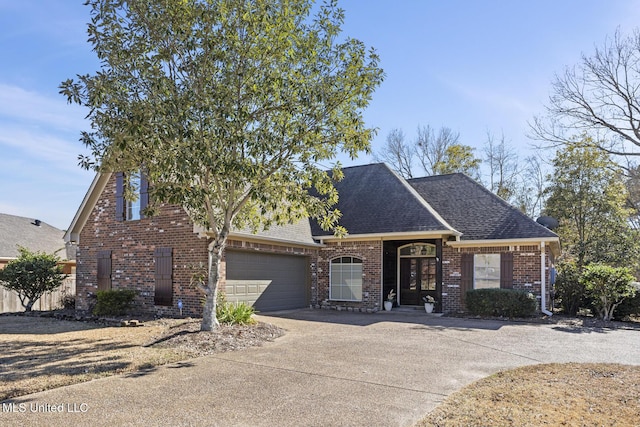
[[435, 236]]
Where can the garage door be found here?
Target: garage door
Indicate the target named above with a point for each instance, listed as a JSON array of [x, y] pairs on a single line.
[[267, 281]]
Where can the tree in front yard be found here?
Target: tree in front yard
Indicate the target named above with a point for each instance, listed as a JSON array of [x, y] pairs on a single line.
[[587, 194], [608, 287], [232, 108], [32, 275]]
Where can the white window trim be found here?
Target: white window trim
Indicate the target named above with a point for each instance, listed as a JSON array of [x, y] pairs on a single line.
[[497, 265], [331, 285], [132, 208]]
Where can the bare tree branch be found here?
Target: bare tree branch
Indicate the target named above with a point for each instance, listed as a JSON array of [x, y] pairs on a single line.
[[600, 95], [397, 153]]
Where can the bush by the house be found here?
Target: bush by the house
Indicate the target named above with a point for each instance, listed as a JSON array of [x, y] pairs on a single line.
[[570, 292], [501, 302], [113, 302], [607, 287]]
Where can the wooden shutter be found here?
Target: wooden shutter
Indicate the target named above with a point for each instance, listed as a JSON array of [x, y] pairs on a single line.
[[466, 275], [104, 270], [119, 196], [506, 270], [164, 282], [144, 193]]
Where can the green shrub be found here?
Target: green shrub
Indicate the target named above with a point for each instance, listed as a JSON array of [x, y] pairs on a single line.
[[630, 306], [32, 275], [113, 302], [234, 313], [607, 287], [570, 292], [501, 302]]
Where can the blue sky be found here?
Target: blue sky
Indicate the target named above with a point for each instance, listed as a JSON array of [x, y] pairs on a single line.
[[475, 66]]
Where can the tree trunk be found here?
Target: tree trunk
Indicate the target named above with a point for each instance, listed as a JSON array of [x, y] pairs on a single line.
[[216, 248], [27, 302]]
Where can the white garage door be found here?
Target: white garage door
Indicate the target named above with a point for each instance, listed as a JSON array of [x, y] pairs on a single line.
[[267, 281]]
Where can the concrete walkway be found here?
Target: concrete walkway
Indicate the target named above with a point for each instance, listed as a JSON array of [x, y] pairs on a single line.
[[330, 369]]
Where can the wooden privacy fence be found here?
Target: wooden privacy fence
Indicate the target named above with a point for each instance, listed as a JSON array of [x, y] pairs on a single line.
[[10, 303]]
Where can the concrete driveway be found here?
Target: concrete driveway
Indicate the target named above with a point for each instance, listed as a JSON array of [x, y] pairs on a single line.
[[330, 369]]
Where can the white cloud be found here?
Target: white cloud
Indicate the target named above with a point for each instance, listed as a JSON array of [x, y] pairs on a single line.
[[39, 145], [31, 107]]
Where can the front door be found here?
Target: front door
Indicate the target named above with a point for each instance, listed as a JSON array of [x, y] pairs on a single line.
[[417, 279]]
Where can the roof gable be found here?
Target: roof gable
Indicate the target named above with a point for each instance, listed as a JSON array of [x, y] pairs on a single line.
[[292, 233], [476, 212], [374, 200]]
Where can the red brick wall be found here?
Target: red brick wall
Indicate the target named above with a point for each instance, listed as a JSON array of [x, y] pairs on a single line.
[[132, 244], [370, 252], [526, 271]]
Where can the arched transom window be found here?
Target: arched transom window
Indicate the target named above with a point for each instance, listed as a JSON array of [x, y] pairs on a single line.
[[418, 250]]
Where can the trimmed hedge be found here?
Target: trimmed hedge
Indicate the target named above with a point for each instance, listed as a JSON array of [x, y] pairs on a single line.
[[113, 302], [501, 302]]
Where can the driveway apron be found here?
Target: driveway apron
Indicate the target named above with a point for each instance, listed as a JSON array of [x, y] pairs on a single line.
[[331, 368]]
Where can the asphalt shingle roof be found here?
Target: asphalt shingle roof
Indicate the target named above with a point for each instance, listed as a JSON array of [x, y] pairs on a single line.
[[19, 231], [374, 200], [476, 212], [299, 232]]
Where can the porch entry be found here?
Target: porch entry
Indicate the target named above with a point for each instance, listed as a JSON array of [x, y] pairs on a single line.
[[418, 273]]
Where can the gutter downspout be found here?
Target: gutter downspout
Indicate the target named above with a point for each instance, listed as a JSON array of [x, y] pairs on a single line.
[[543, 280]]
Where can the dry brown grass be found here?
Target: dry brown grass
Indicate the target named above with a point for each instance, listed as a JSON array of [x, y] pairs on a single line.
[[38, 353], [43, 353], [553, 395]]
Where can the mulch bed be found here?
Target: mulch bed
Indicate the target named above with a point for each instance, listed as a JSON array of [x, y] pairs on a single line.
[[188, 338]]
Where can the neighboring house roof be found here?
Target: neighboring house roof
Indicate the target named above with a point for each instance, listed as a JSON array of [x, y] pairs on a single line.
[[35, 235], [475, 211], [375, 200]]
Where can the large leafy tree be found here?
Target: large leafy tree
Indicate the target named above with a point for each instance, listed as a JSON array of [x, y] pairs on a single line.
[[230, 106], [31, 275], [459, 158], [587, 195]]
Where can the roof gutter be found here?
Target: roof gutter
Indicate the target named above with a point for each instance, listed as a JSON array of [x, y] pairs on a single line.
[[257, 238], [427, 234], [553, 242], [250, 237]]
